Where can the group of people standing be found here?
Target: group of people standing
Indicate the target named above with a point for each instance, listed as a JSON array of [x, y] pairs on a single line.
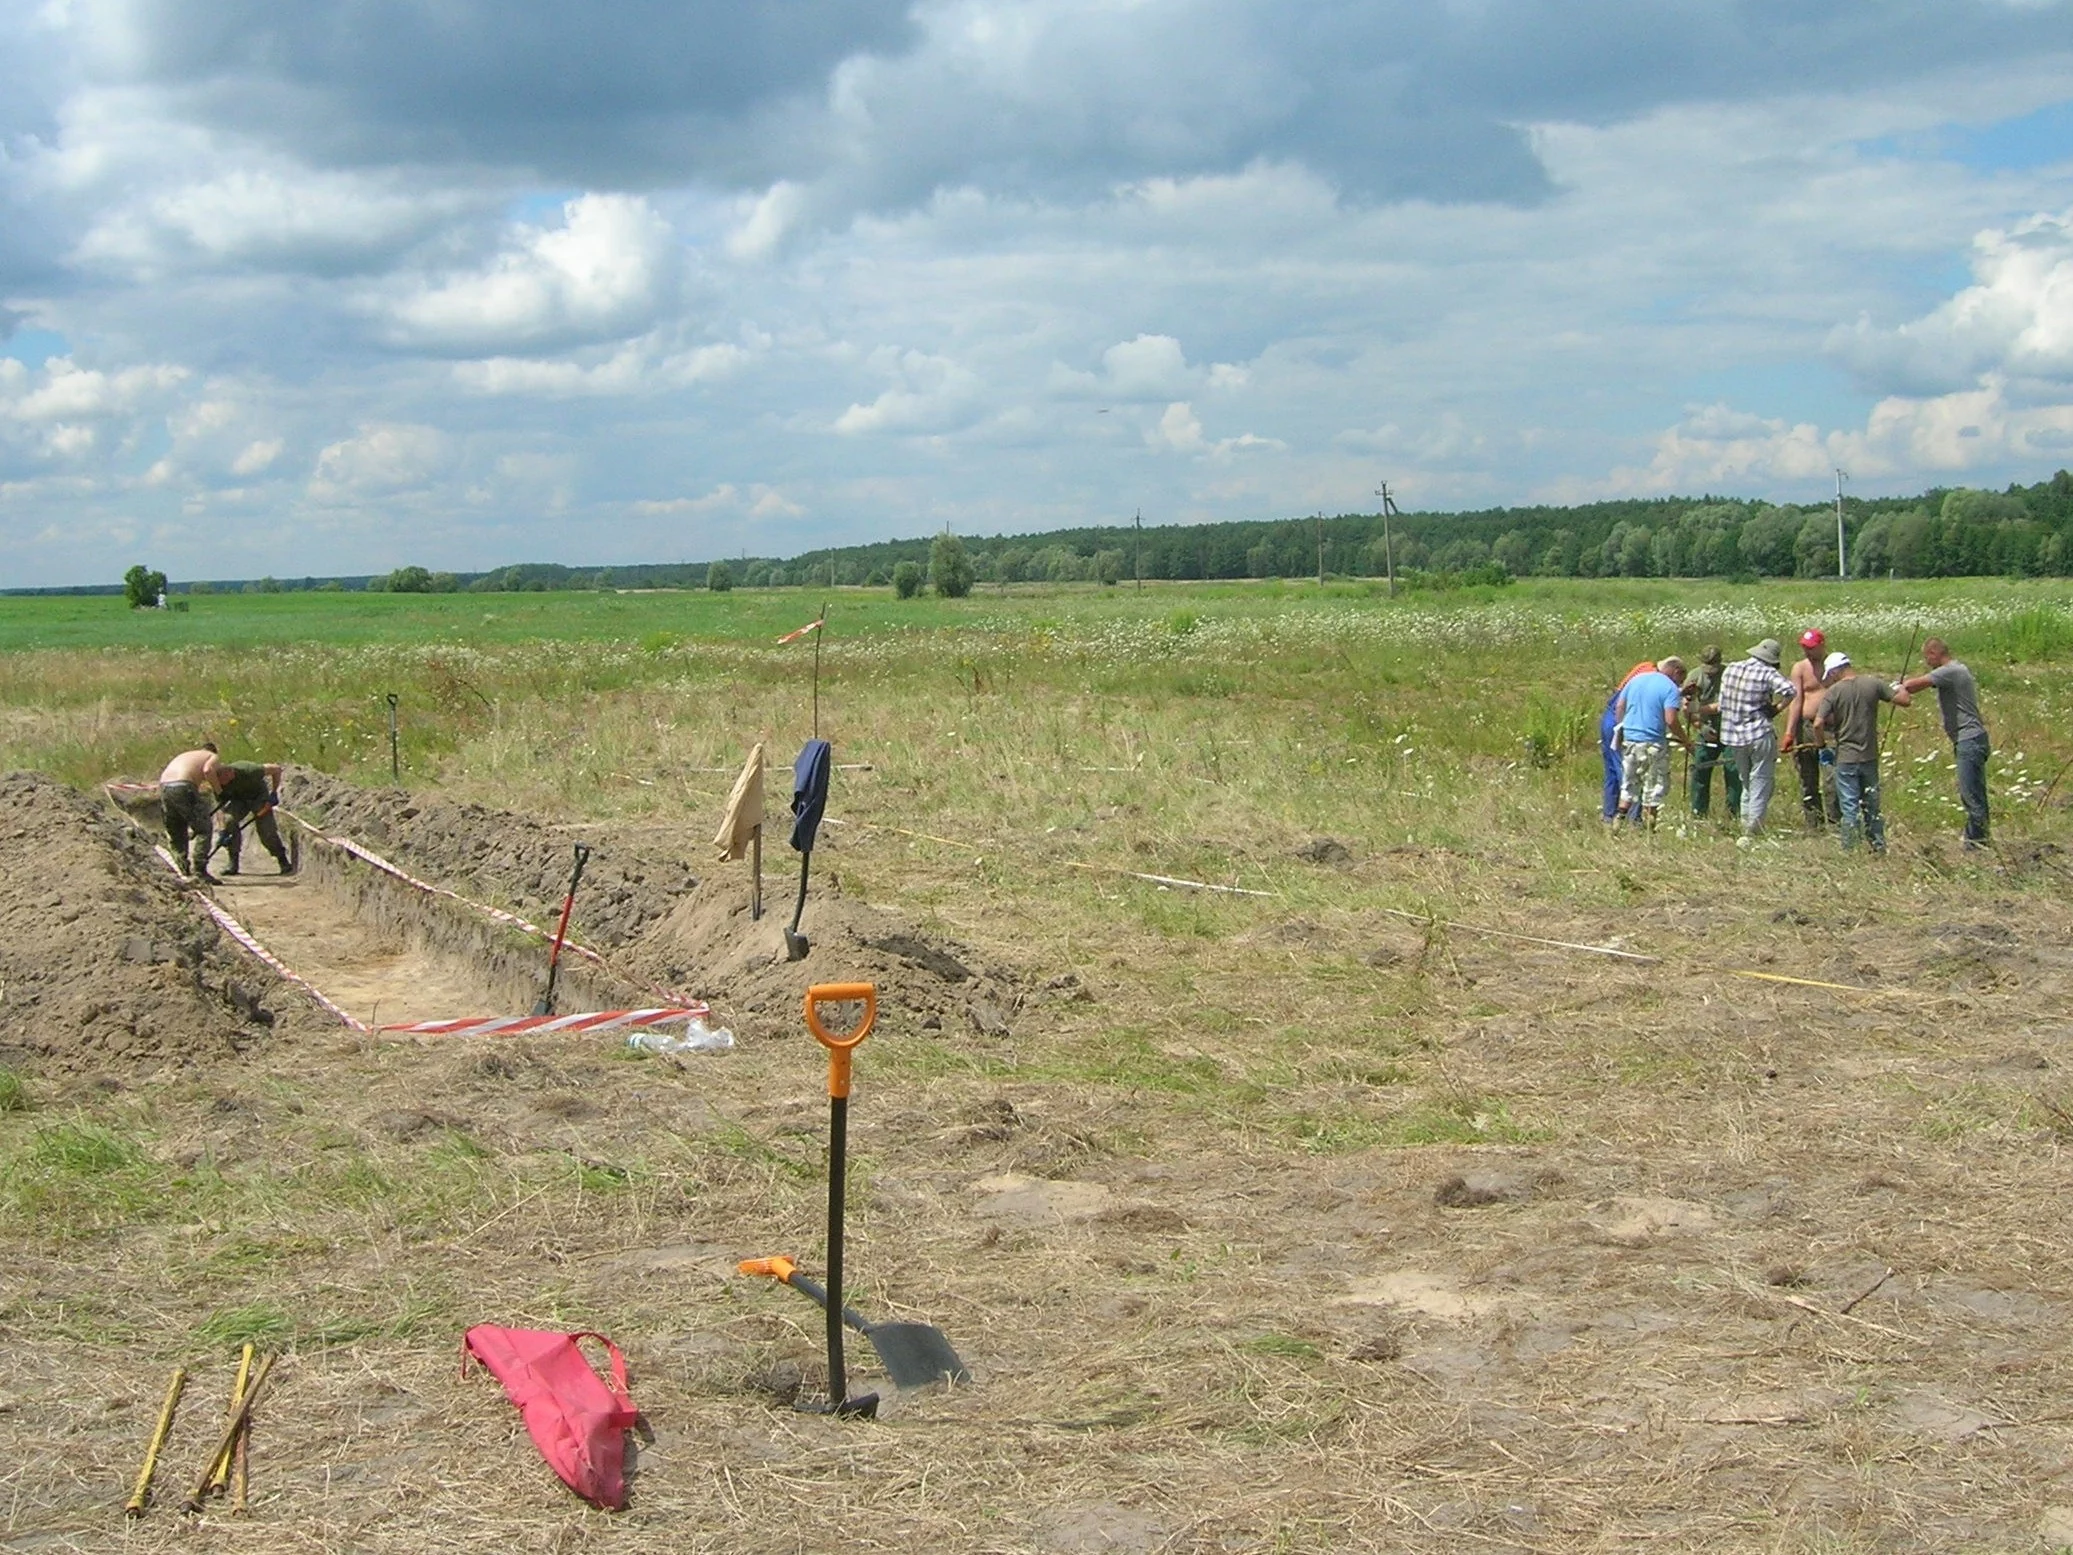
[[198, 788], [1726, 718]]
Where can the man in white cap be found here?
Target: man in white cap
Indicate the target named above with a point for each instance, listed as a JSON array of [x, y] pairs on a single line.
[[1850, 710], [1751, 693]]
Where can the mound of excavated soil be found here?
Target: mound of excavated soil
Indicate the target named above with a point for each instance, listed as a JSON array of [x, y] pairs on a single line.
[[104, 961], [710, 946], [648, 911]]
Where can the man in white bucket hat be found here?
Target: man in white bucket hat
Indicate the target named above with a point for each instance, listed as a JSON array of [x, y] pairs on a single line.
[[1751, 693]]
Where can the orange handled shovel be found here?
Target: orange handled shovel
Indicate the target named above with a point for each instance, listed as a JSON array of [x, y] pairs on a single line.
[[839, 1049]]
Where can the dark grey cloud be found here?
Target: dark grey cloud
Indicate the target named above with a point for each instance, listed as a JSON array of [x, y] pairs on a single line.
[[885, 105], [618, 93]]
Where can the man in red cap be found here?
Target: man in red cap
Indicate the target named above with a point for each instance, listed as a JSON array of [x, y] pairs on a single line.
[[1805, 739]]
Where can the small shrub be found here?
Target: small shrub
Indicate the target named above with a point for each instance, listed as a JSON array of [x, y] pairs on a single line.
[[950, 566], [907, 579], [143, 588], [719, 578]]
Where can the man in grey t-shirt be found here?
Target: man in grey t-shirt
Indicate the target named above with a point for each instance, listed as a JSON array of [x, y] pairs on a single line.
[[1957, 695], [1850, 712]]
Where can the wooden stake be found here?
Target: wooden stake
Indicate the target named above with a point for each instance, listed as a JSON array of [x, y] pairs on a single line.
[[221, 1475], [134, 1507], [242, 1479], [237, 1422], [756, 865]]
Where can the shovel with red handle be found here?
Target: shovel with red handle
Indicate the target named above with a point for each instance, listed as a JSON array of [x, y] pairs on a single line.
[[568, 903]]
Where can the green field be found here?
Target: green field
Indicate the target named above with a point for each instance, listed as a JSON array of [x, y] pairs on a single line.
[[1309, 697]]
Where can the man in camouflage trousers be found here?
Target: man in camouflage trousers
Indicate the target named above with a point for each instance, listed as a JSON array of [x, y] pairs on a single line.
[[250, 789]]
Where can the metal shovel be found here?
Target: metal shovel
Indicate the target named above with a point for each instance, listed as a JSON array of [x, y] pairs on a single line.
[[915, 1355], [796, 944], [568, 903]]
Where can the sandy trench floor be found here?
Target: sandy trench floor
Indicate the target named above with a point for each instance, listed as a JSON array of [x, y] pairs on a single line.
[[375, 979]]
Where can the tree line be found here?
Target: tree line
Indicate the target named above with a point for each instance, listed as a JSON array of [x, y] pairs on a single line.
[[2022, 532]]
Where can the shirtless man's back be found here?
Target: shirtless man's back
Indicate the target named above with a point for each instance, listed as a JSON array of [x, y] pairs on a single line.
[[186, 791], [1817, 795]]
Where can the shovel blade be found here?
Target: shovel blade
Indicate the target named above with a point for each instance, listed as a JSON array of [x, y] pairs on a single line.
[[916, 1355]]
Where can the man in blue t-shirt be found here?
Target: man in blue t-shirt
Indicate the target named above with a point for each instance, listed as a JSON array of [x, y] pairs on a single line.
[[1649, 717]]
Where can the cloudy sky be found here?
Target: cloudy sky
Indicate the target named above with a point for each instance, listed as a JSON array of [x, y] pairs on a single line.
[[307, 289]]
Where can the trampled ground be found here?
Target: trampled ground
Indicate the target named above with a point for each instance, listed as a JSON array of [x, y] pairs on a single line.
[[1277, 1221]]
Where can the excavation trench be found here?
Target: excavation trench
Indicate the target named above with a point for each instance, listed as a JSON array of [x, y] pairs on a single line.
[[386, 920], [387, 952]]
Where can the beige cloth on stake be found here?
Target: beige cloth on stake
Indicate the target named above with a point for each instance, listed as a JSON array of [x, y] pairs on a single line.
[[744, 809]]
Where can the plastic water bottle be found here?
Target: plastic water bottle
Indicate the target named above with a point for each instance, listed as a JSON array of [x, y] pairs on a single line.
[[697, 1037]]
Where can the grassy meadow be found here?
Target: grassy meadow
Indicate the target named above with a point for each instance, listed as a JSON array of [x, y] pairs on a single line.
[[1218, 713]]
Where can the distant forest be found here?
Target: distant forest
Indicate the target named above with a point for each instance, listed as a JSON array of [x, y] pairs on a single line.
[[2023, 532]]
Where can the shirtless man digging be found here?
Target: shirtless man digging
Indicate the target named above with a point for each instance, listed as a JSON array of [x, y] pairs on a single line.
[[186, 792]]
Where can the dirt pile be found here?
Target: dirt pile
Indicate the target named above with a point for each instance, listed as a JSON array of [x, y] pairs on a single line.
[[710, 946], [103, 959]]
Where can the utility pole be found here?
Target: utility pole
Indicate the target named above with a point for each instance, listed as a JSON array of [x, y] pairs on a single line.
[[1388, 545], [1137, 550], [1320, 547], [1842, 565]]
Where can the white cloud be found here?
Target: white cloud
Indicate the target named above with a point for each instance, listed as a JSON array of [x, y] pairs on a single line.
[[755, 501], [69, 392], [1179, 430], [634, 368], [772, 216], [929, 394], [83, 417], [1716, 448], [257, 456], [378, 460], [290, 217], [605, 273], [1145, 369], [2017, 318]]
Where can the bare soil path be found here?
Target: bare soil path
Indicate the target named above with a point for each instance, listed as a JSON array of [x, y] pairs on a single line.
[[374, 977]]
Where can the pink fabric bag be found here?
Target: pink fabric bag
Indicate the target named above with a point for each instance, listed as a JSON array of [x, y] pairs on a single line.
[[577, 1419]]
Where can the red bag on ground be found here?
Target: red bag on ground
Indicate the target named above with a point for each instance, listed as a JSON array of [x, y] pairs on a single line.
[[577, 1420]]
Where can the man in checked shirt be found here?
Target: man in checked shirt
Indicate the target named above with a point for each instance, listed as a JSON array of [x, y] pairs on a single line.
[[1751, 694]]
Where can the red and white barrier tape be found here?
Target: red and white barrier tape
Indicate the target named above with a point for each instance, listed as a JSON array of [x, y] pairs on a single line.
[[475, 1025], [369, 856], [533, 1025], [572, 947], [243, 936]]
